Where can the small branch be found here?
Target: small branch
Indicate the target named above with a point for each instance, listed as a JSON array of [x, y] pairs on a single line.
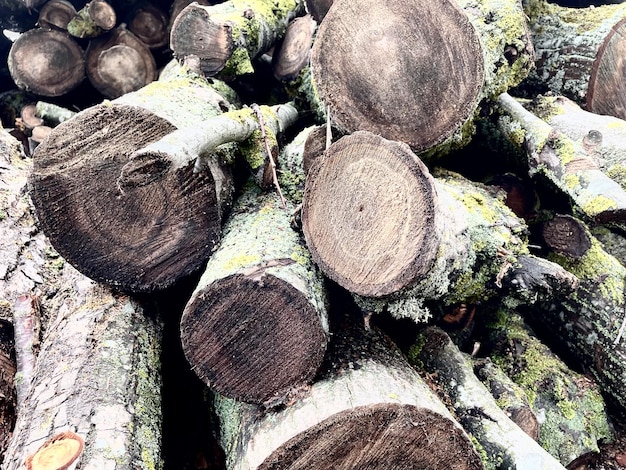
[[268, 150], [26, 324]]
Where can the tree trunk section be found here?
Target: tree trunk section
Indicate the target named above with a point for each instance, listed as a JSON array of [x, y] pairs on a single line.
[[382, 227], [256, 325], [368, 409], [56, 14], [573, 415], [118, 63], [503, 443], [150, 24], [579, 53], [141, 237], [97, 375], [565, 163], [442, 69], [229, 35], [46, 62]]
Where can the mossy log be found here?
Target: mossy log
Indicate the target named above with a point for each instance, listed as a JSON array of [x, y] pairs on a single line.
[[602, 136], [368, 409], [573, 418], [379, 224], [579, 53], [91, 21], [458, 56], [256, 325], [587, 324], [229, 35], [97, 375], [503, 443], [139, 237], [565, 163]]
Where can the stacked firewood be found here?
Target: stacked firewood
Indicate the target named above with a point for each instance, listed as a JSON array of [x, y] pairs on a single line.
[[410, 256]]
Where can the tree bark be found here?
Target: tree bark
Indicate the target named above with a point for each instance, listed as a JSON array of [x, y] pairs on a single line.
[[442, 69], [574, 418], [503, 443], [46, 62], [381, 226], [118, 63], [97, 375], [579, 53], [565, 163], [139, 237], [256, 325], [369, 409], [229, 35]]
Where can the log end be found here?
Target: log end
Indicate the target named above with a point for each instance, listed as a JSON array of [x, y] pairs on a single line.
[[59, 452], [379, 72], [252, 338], [368, 215], [382, 436]]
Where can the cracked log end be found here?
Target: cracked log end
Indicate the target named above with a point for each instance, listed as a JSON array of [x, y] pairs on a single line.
[[368, 215], [140, 238], [409, 71], [607, 87], [382, 436], [252, 338], [57, 453]]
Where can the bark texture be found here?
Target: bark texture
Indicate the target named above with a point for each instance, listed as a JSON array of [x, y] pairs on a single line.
[[256, 325]]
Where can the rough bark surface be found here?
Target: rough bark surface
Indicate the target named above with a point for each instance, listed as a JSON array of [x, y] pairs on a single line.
[[256, 325]]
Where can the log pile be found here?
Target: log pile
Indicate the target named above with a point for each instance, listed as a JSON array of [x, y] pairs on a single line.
[[374, 234]]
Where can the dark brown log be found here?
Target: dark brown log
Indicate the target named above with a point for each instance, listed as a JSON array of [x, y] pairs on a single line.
[[368, 409], [293, 53], [379, 224], [565, 234], [143, 236], [118, 63], [46, 62], [503, 443], [56, 14], [227, 36], [414, 101], [150, 24], [256, 326], [579, 53]]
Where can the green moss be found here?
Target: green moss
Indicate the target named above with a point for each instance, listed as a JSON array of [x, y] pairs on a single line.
[[482, 453], [572, 182], [239, 63], [598, 205]]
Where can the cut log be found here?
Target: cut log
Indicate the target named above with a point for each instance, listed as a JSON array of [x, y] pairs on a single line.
[[256, 325], [565, 163], [293, 53], [144, 236], [227, 36], [381, 226], [56, 14], [52, 114], [118, 63], [588, 323], [579, 53], [369, 409], [573, 415], [46, 62], [97, 376], [150, 24], [94, 19], [602, 136], [566, 235], [503, 443], [441, 69]]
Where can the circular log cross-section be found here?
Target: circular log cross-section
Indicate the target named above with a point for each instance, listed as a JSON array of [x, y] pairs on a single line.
[[368, 215], [56, 14], [46, 62], [140, 238], [607, 88], [150, 25], [409, 71], [383, 436]]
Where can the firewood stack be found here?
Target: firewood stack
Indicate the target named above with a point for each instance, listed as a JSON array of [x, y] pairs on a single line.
[[383, 234]]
